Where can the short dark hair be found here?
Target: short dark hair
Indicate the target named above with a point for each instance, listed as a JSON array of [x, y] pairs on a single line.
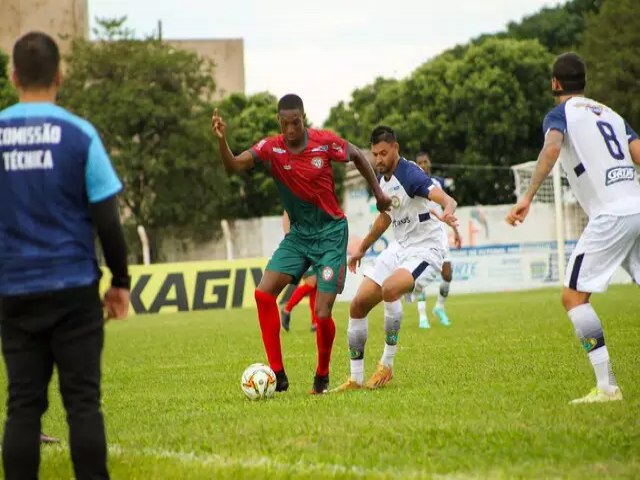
[[382, 133], [36, 59], [290, 101], [422, 153], [571, 71]]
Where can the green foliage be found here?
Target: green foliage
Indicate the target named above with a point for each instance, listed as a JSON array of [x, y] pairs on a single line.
[[480, 105], [612, 51], [558, 28], [149, 101], [486, 398], [8, 95]]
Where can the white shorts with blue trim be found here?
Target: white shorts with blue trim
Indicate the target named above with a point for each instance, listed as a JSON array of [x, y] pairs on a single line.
[[608, 242], [425, 264]]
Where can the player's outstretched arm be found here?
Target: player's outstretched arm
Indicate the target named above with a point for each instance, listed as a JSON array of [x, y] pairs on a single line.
[[232, 163], [448, 205], [546, 160], [380, 225], [634, 148], [383, 201]]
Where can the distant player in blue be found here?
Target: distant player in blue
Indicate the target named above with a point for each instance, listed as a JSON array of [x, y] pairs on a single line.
[[56, 186], [424, 162]]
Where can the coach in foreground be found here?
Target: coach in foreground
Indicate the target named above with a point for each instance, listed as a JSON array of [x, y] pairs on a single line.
[[56, 185]]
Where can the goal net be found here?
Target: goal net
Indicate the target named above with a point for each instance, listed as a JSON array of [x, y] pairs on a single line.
[[570, 219]]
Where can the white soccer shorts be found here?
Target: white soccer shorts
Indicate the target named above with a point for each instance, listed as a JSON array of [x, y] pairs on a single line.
[[607, 242], [425, 264]]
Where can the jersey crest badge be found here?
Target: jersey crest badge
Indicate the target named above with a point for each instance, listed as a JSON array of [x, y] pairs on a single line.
[[317, 162]]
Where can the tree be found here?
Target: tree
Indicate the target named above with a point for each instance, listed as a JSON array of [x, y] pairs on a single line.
[[611, 48], [8, 94], [149, 101], [558, 28], [469, 107]]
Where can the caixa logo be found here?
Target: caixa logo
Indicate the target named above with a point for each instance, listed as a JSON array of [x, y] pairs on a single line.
[[402, 221], [619, 174]]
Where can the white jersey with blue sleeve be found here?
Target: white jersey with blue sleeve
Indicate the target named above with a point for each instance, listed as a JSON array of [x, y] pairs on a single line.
[[413, 224], [418, 246], [595, 156]]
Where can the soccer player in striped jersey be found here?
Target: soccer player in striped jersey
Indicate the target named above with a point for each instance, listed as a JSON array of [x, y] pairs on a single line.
[[299, 160]]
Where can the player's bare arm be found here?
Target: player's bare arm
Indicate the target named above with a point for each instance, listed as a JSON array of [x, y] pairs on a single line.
[[380, 225], [634, 149], [232, 163], [448, 205], [383, 202], [546, 160]]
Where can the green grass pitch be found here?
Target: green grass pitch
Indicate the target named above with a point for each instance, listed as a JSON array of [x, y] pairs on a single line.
[[485, 398]]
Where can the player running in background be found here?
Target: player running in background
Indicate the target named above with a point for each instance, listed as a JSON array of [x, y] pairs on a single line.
[[408, 264], [309, 286], [597, 150], [299, 160], [424, 162]]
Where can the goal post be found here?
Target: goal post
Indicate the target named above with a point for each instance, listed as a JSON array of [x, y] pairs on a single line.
[[570, 219]]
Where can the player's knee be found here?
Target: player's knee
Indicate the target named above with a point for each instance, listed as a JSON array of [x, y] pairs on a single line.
[[447, 274], [358, 308], [572, 298], [323, 309], [390, 292]]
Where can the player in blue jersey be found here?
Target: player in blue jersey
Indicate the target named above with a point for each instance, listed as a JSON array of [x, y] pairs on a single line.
[[597, 150], [424, 162], [56, 186], [412, 261]]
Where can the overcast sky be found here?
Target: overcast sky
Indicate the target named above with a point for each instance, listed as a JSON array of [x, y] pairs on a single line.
[[323, 50]]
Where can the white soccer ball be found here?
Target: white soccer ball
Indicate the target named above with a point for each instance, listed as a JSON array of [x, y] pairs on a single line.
[[258, 381]]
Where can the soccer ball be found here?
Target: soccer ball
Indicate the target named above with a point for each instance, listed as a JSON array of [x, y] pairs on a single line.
[[258, 381]]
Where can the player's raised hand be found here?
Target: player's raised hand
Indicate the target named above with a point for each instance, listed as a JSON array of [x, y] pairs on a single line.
[[450, 219], [383, 202], [354, 261], [218, 126], [519, 212]]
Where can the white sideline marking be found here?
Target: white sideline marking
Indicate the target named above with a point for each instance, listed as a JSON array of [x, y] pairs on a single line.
[[300, 467], [262, 462]]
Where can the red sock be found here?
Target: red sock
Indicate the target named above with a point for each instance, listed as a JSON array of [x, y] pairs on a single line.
[[297, 295], [269, 318], [312, 305], [324, 338]]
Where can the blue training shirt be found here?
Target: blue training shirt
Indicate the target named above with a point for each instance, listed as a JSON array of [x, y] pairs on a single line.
[[52, 166]]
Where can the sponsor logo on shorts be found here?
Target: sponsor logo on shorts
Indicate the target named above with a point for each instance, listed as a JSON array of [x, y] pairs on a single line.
[[279, 150], [327, 274], [619, 174], [317, 162], [286, 166], [395, 201]]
